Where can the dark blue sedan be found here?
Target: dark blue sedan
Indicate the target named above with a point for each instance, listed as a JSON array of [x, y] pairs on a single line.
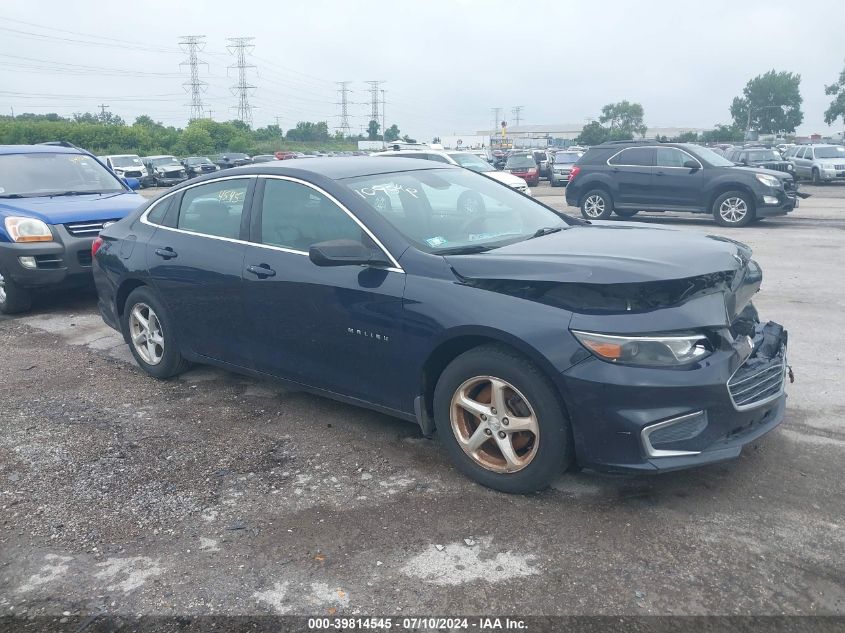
[[531, 341]]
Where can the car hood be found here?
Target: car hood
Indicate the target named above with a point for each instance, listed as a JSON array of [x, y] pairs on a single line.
[[771, 172], [508, 179], [608, 253], [62, 209]]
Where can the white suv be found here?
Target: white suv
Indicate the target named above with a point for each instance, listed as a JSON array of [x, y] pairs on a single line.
[[128, 166], [463, 159]]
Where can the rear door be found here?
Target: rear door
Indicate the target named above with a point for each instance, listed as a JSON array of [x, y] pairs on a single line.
[[334, 328], [195, 264], [632, 171], [674, 184], [803, 161]]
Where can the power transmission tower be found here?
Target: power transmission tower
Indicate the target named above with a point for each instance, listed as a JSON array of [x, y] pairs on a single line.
[[344, 126], [374, 90], [193, 44], [383, 121], [239, 47], [516, 114]]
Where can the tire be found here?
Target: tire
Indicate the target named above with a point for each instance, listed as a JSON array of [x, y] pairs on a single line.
[[596, 205], [733, 204], [624, 213], [553, 182], [816, 177], [536, 456], [162, 360], [14, 298]]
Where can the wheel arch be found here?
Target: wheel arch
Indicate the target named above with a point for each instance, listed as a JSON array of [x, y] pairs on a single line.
[[592, 186]]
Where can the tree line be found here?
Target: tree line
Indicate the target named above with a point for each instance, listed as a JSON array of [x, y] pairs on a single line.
[[107, 133]]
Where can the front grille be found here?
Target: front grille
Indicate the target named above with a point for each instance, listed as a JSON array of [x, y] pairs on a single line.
[[132, 174], [839, 167], [756, 384], [84, 258], [86, 229], [173, 174], [778, 167]]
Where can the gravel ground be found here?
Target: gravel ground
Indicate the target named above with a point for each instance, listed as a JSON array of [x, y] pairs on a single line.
[[215, 494]]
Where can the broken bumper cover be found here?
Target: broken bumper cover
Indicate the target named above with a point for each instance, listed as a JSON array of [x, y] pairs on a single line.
[[644, 419]]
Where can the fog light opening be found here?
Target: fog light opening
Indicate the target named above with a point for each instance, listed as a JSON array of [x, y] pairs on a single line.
[[770, 199], [681, 428], [28, 262]]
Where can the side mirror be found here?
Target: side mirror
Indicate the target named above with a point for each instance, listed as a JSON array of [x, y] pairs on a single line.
[[132, 183], [345, 253], [691, 164]]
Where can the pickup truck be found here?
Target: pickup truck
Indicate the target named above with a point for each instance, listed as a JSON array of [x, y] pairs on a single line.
[[54, 200]]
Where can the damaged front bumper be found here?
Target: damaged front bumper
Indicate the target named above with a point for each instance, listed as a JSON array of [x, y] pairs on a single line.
[[628, 418]]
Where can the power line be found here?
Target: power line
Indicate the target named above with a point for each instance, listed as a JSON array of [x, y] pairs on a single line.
[[239, 46], [193, 44], [516, 110], [344, 90]]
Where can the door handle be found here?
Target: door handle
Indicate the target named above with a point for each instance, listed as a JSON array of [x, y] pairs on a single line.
[[166, 252], [262, 271], [658, 173]]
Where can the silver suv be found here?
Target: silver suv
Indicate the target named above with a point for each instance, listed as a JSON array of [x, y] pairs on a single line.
[[819, 163]]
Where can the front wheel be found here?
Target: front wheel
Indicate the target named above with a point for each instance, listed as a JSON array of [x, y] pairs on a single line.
[[597, 205], [13, 297], [152, 335], [734, 209], [816, 177], [501, 421]]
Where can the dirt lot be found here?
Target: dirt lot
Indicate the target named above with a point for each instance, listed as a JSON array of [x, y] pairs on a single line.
[[218, 494]]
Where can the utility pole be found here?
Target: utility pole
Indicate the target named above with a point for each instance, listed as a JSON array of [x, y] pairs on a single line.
[[210, 112], [515, 111], [102, 111], [383, 122], [193, 44], [239, 47], [344, 90]]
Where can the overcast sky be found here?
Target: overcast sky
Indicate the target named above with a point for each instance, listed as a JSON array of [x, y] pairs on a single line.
[[445, 63]]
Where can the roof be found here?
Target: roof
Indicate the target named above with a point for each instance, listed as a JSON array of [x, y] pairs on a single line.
[[38, 149], [339, 167]]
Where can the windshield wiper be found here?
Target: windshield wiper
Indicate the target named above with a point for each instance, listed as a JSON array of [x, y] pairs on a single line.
[[546, 230], [56, 194], [13, 195], [463, 250]]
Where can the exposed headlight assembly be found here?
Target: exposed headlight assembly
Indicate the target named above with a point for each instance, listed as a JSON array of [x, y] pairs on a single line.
[[28, 230], [769, 181], [656, 350]]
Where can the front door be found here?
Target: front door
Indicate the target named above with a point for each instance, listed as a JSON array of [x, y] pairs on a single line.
[[196, 263], [631, 170], [335, 328], [676, 185]]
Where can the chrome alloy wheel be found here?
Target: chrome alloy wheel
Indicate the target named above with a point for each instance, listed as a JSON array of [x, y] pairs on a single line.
[[494, 424], [594, 206], [733, 210], [146, 333], [2, 289]]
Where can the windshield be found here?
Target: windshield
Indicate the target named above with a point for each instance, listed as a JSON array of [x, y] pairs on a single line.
[[198, 160], [763, 154], [566, 157], [471, 161], [708, 155], [45, 173], [830, 152], [125, 161], [453, 210], [164, 161], [520, 161]]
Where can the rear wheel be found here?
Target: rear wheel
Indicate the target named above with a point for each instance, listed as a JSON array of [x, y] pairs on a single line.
[[816, 177], [152, 335], [501, 421], [597, 205], [733, 208], [624, 213], [13, 297]]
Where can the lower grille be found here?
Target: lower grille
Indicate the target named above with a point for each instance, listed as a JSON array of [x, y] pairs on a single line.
[[685, 429], [84, 258], [86, 229], [757, 384], [48, 261]]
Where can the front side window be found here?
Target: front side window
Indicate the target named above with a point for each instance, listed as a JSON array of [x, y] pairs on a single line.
[[296, 216], [453, 210], [215, 208], [634, 156], [47, 173], [671, 157]]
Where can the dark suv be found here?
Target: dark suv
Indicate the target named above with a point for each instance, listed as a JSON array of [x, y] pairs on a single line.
[[631, 176], [759, 157]]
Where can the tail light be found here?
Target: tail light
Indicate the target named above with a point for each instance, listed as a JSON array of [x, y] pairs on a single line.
[[95, 246], [575, 171]]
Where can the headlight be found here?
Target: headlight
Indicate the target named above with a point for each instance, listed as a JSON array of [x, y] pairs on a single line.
[[827, 166], [769, 181], [657, 350], [790, 167], [28, 230], [159, 170], [119, 172]]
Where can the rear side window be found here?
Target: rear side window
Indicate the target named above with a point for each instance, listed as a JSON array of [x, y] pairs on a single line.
[[634, 156], [214, 209], [159, 210]]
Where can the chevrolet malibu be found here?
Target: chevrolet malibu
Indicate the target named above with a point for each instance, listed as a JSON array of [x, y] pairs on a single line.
[[532, 342]]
